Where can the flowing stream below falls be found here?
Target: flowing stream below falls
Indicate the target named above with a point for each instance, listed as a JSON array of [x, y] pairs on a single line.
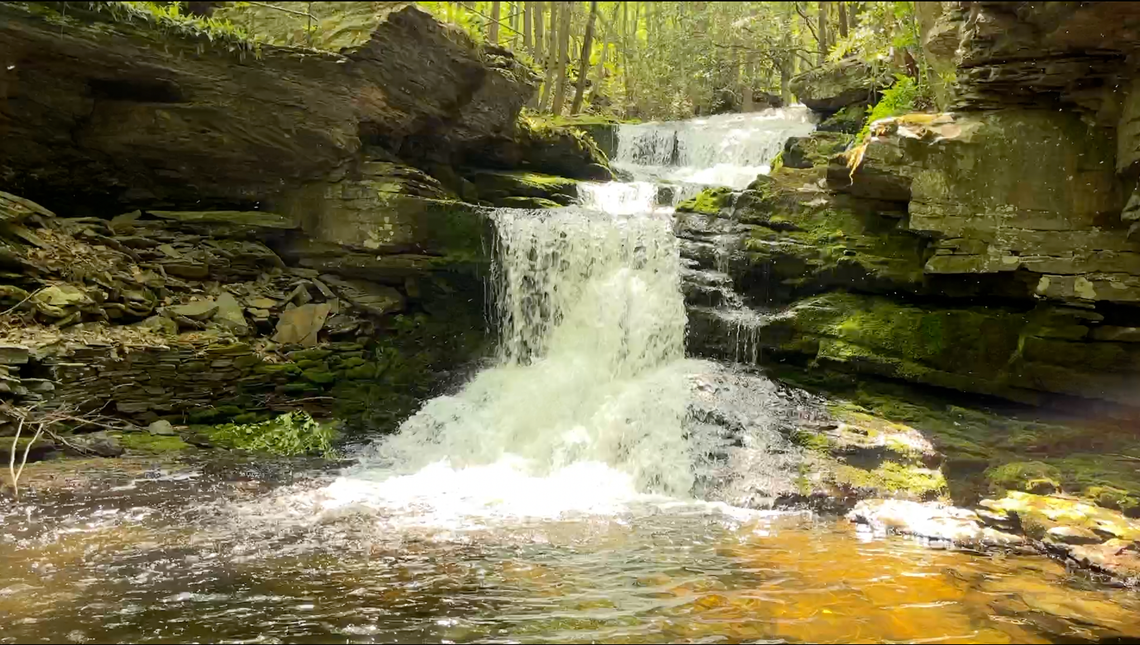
[[554, 498]]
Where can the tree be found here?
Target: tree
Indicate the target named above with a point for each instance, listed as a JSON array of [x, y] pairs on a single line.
[[493, 25], [584, 61], [526, 14], [563, 57]]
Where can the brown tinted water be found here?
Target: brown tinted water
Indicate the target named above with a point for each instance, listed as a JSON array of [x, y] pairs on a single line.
[[171, 559]]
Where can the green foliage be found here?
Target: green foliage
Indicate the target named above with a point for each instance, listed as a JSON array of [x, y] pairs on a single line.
[[168, 16], [291, 434], [899, 98]]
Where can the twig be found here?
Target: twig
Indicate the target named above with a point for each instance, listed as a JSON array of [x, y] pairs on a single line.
[[19, 304]]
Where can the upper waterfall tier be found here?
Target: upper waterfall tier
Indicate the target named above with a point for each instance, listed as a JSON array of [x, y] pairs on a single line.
[[723, 150]]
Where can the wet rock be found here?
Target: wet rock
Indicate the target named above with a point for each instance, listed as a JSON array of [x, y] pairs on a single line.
[[813, 150], [99, 444], [1072, 535], [161, 428], [301, 325], [1119, 558], [498, 186], [252, 220], [929, 520]]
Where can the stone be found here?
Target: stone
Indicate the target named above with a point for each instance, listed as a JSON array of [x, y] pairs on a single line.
[[299, 296], [14, 354], [161, 428], [930, 520], [813, 150], [834, 86], [14, 210], [301, 325], [263, 303], [374, 299], [161, 324], [370, 215], [203, 309], [229, 314], [99, 444], [1072, 535], [495, 186], [60, 300]]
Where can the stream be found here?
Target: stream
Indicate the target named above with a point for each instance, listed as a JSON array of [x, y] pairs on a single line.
[[548, 500]]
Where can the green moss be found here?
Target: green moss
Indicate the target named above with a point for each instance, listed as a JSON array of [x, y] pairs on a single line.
[[318, 375], [526, 202], [146, 442], [894, 478], [709, 201], [314, 354], [812, 441]]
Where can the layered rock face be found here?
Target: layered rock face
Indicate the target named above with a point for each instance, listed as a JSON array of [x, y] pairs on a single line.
[[148, 118], [988, 252]]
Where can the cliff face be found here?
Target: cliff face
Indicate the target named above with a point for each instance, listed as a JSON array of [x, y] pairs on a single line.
[[100, 111], [988, 250]]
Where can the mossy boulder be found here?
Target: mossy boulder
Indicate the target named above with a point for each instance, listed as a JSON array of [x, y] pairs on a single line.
[[849, 120], [1028, 476], [813, 150], [710, 201], [498, 187]]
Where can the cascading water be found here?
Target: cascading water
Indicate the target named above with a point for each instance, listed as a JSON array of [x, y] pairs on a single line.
[[723, 150], [585, 409]]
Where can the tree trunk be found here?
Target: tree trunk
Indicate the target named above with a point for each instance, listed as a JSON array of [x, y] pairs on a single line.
[[536, 21], [493, 26], [513, 10], [842, 19], [584, 61], [853, 15], [526, 13], [563, 58], [746, 88], [822, 28]]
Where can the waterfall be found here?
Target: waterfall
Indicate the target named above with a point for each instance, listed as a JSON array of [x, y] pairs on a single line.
[[723, 150], [585, 407]]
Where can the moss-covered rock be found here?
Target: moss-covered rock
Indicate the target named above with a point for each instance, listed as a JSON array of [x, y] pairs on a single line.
[[813, 150], [498, 187], [710, 201]]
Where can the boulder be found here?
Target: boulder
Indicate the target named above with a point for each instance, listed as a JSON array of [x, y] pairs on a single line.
[[813, 150], [161, 428], [834, 86], [161, 113]]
